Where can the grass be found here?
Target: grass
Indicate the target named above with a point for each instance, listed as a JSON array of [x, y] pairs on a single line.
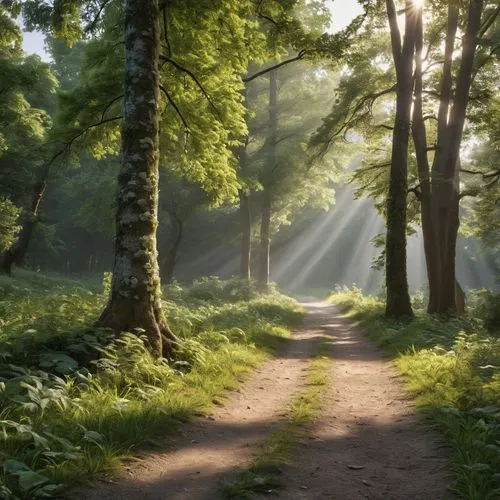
[[263, 476], [452, 367], [74, 401]]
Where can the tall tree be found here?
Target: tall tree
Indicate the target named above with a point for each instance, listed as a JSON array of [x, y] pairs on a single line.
[[441, 193], [135, 299], [266, 211], [364, 105], [398, 297]]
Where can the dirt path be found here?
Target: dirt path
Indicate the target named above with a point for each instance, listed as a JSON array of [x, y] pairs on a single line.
[[367, 443], [211, 448]]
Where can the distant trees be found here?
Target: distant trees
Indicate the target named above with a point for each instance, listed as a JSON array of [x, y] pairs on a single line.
[[26, 101]]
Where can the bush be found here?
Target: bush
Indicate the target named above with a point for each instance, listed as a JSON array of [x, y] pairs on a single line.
[[214, 289], [9, 215], [486, 305]]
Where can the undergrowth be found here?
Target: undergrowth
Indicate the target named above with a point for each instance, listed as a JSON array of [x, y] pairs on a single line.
[[263, 476], [75, 400], [452, 366]]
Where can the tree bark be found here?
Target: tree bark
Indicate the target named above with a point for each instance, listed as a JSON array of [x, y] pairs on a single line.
[[134, 304], [398, 298]]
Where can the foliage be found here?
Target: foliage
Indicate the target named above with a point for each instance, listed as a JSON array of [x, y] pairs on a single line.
[[453, 367], [9, 215], [75, 400]]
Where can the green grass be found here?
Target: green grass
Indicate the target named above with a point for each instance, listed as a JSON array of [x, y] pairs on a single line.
[[74, 401], [452, 367], [263, 476]]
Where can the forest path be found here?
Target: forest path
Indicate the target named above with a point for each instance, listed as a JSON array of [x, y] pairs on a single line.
[[366, 443]]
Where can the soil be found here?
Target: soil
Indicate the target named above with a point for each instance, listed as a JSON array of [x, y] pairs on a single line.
[[366, 443]]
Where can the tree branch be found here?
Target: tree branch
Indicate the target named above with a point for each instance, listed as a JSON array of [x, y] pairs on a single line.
[[298, 57], [196, 81], [92, 25], [488, 22], [105, 110], [174, 105], [395, 33]]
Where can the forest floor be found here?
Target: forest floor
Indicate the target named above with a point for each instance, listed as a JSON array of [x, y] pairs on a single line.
[[365, 441]]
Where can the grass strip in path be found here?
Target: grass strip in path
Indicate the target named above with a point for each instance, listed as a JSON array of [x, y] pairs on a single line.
[[263, 476]]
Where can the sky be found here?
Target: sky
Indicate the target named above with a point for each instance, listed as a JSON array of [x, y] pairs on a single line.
[[343, 11]]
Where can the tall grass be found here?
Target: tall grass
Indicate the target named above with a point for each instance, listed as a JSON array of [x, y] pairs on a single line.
[[75, 401], [452, 366]]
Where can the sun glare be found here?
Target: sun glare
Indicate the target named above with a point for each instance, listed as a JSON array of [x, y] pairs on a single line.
[[418, 3]]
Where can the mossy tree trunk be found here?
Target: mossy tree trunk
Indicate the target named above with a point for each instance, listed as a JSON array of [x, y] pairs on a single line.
[[398, 298], [134, 304]]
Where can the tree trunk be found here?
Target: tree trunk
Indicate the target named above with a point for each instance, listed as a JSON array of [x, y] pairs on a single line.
[[432, 255], [17, 252], [265, 226], [134, 304], [398, 298], [245, 207], [246, 236], [446, 166], [265, 243]]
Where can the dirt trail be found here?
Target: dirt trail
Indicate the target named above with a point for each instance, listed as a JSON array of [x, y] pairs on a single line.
[[211, 448], [366, 444]]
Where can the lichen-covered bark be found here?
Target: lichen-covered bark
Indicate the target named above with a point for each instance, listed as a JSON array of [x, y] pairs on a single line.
[[398, 298], [135, 301]]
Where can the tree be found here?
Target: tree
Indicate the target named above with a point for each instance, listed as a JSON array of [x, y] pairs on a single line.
[[440, 183], [398, 298], [286, 107], [446, 78], [180, 200], [265, 224], [26, 84], [135, 297]]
